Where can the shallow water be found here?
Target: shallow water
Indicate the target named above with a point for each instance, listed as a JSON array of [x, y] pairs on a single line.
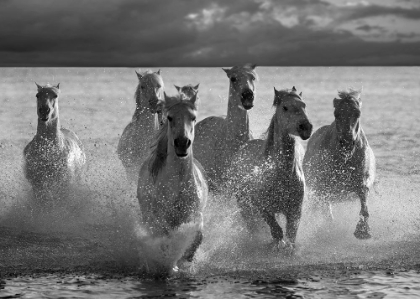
[[87, 247]]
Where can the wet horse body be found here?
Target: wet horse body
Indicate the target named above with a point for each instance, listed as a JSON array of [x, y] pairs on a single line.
[[55, 157], [339, 160], [172, 188], [269, 177], [219, 138], [136, 139]]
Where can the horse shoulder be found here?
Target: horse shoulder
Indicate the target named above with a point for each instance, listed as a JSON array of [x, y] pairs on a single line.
[[369, 160]]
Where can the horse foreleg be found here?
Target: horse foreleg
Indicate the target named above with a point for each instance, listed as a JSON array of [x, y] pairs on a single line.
[[362, 228], [275, 229], [292, 225], [190, 252]]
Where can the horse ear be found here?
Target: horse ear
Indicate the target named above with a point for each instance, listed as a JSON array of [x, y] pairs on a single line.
[[277, 97], [158, 72], [294, 88], [196, 87], [177, 88], [57, 86], [250, 65], [300, 94], [39, 86], [139, 75], [227, 71]]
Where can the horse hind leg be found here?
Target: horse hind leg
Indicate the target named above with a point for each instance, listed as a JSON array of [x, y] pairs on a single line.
[[362, 228]]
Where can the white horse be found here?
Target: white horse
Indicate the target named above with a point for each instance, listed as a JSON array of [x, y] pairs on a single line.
[[219, 138], [54, 159], [172, 188], [339, 160], [134, 144], [268, 173]]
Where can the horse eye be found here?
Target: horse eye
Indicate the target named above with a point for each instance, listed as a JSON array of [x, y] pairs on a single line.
[[285, 108], [233, 79], [169, 118], [194, 118]]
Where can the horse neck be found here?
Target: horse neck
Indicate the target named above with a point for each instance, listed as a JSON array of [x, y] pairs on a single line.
[[51, 130], [281, 145], [237, 118]]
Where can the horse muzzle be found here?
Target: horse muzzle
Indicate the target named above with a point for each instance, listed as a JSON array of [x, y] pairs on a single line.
[[181, 146], [44, 114], [305, 130], [346, 148], [247, 99], [153, 105]]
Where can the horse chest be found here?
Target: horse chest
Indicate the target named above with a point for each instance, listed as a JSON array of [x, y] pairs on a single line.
[[46, 164]]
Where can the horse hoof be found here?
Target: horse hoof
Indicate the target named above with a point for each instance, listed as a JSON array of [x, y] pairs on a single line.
[[284, 247], [362, 231]]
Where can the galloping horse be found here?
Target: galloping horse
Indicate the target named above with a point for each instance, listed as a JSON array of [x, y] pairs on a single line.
[[269, 176], [219, 138], [135, 141], [172, 188], [54, 159], [339, 160], [187, 90]]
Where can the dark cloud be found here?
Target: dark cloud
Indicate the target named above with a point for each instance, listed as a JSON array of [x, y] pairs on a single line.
[[193, 33]]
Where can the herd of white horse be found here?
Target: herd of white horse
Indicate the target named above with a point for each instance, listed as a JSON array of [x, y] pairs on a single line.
[[176, 161]]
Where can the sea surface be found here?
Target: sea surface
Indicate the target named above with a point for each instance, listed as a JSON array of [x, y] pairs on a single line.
[[88, 247]]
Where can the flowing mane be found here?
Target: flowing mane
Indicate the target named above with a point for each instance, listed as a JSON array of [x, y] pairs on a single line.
[[350, 94], [47, 88], [248, 68], [159, 150]]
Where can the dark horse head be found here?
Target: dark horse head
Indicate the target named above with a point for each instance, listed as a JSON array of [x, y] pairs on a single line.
[[291, 113], [242, 84], [47, 102], [347, 120]]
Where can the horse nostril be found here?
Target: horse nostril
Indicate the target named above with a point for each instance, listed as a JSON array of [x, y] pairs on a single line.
[[183, 143], [248, 94], [305, 127]]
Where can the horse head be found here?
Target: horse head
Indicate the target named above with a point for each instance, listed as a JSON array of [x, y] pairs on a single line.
[[181, 115], [149, 90], [242, 84], [47, 102], [188, 90], [291, 114], [347, 120]]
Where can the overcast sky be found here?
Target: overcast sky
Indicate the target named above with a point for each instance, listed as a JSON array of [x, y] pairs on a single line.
[[151, 33]]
